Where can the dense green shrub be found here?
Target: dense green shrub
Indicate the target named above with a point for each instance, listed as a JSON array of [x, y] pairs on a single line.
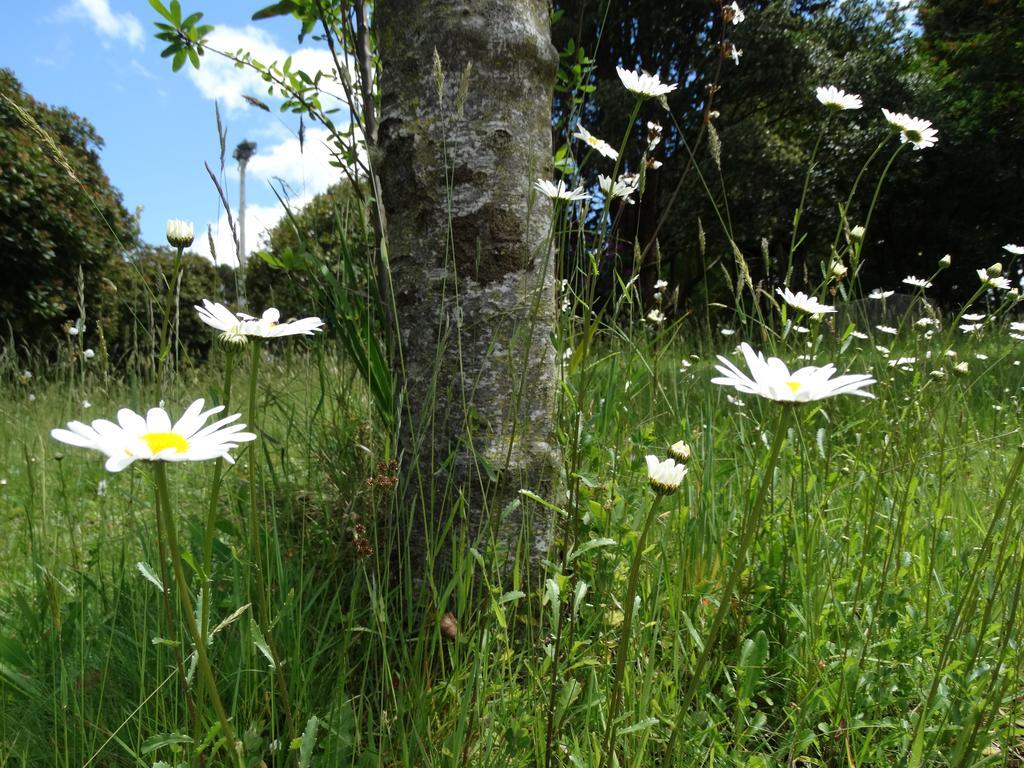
[[132, 304], [60, 218]]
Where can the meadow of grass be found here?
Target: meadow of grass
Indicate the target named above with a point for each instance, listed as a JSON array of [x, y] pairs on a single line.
[[875, 621]]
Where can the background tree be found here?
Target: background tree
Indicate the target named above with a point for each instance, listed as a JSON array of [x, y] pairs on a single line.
[[58, 214], [969, 62], [767, 119]]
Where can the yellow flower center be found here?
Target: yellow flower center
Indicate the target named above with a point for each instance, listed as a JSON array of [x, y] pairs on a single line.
[[592, 141], [161, 441], [793, 386]]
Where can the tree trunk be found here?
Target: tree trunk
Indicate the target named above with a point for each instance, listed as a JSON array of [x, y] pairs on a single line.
[[466, 88]]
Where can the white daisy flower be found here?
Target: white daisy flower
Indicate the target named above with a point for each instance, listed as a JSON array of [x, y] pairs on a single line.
[[88, 354], [926, 322], [560, 191], [972, 317], [803, 302], [656, 316], [858, 335], [1018, 327], [155, 438], [602, 147], [624, 187], [733, 14], [660, 285], [886, 329], [1016, 250], [970, 327], [664, 476], [884, 350], [224, 320], [913, 130], [269, 325], [916, 282], [773, 380], [643, 84], [834, 98], [236, 328], [993, 281], [727, 331], [878, 294], [902, 362]]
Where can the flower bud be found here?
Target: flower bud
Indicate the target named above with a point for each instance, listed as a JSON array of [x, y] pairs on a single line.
[[995, 270], [180, 233], [680, 451], [838, 270], [857, 233], [945, 261]]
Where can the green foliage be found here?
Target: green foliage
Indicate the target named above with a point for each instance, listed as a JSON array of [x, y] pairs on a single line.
[[287, 273], [185, 36], [58, 215]]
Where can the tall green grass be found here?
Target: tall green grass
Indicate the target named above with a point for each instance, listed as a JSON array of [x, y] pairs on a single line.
[[876, 623]]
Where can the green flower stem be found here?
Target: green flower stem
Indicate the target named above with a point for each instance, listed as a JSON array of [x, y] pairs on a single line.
[[256, 551], [853, 190], [793, 243], [625, 635], [172, 634], [750, 528], [165, 325], [878, 186], [211, 514], [164, 505]]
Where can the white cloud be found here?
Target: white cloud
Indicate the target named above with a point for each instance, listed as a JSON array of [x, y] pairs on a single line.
[[258, 220], [218, 77], [117, 26]]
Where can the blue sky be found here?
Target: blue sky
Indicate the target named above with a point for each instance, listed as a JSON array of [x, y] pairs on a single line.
[[99, 59]]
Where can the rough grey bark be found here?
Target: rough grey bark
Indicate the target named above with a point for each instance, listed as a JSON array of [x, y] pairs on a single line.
[[473, 270]]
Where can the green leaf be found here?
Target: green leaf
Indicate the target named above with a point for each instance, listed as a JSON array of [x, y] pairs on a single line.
[[157, 6], [281, 8], [179, 59], [308, 742], [154, 743], [260, 641], [753, 657], [149, 575], [592, 544]]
